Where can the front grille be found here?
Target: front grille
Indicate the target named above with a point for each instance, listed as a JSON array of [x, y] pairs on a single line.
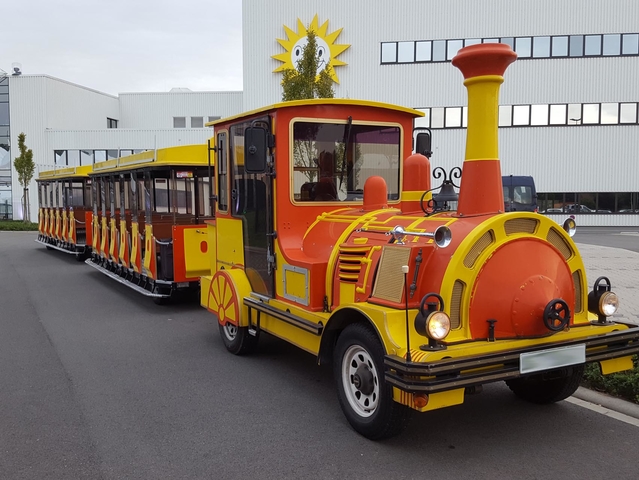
[[456, 304], [576, 278], [558, 241], [521, 225], [485, 240]]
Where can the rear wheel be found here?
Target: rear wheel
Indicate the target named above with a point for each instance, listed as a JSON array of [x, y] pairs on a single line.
[[237, 340], [162, 300], [548, 387], [365, 397]]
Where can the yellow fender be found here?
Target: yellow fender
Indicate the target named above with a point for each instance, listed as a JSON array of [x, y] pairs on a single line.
[[225, 292]]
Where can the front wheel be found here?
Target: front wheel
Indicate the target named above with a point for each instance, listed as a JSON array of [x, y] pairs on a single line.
[[365, 397], [237, 340], [548, 387]]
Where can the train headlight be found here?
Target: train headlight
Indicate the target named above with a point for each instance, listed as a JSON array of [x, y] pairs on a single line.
[[438, 325], [608, 303], [602, 301], [570, 226]]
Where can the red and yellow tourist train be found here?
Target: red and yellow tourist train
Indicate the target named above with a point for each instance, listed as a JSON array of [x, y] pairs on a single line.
[[327, 232], [65, 210]]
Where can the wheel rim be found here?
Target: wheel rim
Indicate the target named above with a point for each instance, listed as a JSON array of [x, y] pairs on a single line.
[[360, 380], [230, 331]]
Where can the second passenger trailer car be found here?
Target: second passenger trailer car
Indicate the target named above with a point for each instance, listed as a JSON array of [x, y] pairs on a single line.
[[148, 219]]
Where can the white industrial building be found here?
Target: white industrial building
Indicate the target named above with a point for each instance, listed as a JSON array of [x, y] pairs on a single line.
[[569, 105]]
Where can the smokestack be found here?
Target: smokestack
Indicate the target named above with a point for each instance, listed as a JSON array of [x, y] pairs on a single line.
[[483, 67]]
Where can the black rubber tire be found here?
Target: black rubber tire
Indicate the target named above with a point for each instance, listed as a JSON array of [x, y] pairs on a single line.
[[238, 340], [548, 387], [389, 418], [161, 300]]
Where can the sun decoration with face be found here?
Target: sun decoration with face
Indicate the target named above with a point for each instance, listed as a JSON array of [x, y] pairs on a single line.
[[327, 50]]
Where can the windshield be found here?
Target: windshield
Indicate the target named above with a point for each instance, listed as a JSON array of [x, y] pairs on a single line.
[[521, 194], [332, 161]]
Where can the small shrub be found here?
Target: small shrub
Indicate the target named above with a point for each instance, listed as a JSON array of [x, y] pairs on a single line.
[[622, 384], [18, 226]]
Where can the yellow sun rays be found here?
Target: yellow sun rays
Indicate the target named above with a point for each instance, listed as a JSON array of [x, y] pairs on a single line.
[[321, 31]]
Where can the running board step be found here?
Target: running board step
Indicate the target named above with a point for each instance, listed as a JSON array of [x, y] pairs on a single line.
[[121, 280], [61, 249], [287, 317]]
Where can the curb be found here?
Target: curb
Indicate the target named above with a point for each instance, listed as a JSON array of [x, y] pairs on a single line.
[[611, 403]]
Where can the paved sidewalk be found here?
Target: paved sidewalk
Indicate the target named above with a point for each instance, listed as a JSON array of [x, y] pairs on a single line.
[[622, 268]]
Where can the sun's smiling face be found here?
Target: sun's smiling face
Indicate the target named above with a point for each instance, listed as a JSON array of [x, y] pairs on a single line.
[[327, 50]]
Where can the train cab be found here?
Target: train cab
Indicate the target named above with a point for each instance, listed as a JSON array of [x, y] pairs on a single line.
[[65, 210], [148, 216]]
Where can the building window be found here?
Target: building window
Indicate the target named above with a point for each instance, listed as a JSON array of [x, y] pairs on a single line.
[[212, 119], [406, 52], [73, 158], [628, 113], [423, 51], [573, 114], [60, 158], [630, 43], [112, 123], [389, 52], [560, 46], [197, 122], [541, 47], [179, 122], [558, 114], [86, 157]]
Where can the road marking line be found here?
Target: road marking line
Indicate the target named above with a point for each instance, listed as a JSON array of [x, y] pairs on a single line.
[[604, 411]]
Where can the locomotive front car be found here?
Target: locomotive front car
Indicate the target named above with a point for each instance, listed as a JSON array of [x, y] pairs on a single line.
[[65, 210], [148, 226], [326, 236]]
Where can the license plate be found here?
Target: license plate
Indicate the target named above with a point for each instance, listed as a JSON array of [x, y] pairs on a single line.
[[552, 358]]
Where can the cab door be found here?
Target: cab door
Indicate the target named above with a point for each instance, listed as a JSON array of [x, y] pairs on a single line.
[[252, 203]]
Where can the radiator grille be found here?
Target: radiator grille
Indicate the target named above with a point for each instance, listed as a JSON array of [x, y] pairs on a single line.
[[555, 238], [521, 225], [485, 240], [576, 278], [389, 284], [456, 303]]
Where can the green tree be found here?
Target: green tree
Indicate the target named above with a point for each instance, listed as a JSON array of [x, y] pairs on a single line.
[[304, 81], [25, 167]]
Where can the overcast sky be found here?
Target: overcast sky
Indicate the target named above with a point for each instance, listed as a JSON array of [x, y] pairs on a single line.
[[118, 46]]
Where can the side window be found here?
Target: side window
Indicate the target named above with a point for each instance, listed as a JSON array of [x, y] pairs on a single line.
[[222, 172]]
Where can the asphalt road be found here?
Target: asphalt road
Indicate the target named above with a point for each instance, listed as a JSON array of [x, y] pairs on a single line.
[[618, 237], [98, 382]]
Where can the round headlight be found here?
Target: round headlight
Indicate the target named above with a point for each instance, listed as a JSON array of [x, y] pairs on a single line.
[[570, 226], [438, 325], [608, 303]]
